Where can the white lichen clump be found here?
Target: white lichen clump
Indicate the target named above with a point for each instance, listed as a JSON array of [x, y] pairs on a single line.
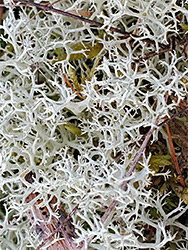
[[37, 107]]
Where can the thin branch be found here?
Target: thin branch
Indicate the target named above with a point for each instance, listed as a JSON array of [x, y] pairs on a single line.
[[60, 229], [1, 11], [105, 216], [152, 54], [71, 214], [39, 13], [162, 51], [94, 23], [172, 117], [69, 84], [133, 166], [109, 210], [139, 154], [174, 156]]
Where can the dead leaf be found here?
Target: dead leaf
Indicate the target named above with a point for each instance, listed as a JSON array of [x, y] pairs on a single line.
[[49, 227]]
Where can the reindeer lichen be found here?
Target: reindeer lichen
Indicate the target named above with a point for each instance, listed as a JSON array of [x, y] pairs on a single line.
[[72, 145]]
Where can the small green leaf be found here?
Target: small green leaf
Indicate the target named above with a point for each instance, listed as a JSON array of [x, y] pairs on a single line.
[[84, 49], [54, 97], [73, 129], [74, 79], [158, 161], [170, 203], [184, 195], [184, 26], [163, 188], [37, 161], [10, 47], [155, 213]]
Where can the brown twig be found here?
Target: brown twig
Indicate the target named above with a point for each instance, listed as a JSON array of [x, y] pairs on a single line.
[[109, 210], [60, 228], [57, 230], [94, 23], [139, 153], [1, 10], [172, 117], [39, 13], [162, 51], [71, 214], [152, 54], [69, 84], [133, 166], [174, 156]]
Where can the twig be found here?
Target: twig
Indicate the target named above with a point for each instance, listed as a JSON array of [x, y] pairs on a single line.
[[174, 116], [71, 214], [133, 166], [173, 150], [140, 151], [162, 51], [152, 54], [59, 228], [1, 11], [174, 156], [94, 23], [38, 14], [69, 84], [109, 210]]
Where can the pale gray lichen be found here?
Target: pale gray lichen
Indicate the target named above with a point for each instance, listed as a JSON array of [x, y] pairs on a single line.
[[36, 104]]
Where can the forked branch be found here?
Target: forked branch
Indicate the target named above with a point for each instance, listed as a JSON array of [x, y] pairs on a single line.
[[91, 22]]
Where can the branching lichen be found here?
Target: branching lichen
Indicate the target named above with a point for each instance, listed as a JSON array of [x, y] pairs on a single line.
[[71, 144]]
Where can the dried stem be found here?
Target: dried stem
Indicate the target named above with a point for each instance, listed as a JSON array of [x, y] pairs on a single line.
[[69, 84], [109, 210], [94, 23], [133, 166], [174, 116], [1, 10], [139, 154], [59, 229], [174, 156]]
